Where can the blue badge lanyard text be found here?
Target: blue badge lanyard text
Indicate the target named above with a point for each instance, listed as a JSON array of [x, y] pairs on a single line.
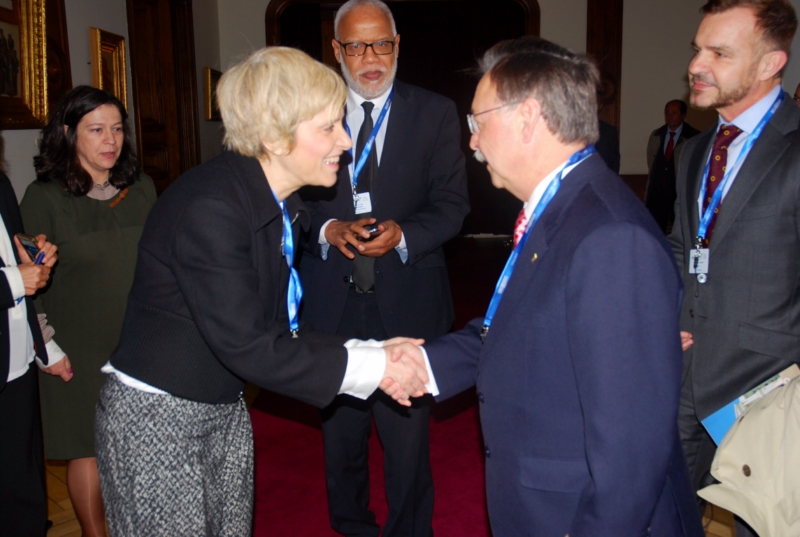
[[716, 199], [295, 294], [370, 141], [508, 270]]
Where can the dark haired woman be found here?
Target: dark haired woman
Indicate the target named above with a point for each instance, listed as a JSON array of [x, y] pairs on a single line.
[[91, 199]]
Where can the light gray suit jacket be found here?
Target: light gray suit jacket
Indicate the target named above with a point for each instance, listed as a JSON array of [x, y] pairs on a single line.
[[746, 318]]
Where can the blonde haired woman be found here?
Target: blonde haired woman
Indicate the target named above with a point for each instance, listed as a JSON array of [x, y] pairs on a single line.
[[214, 303]]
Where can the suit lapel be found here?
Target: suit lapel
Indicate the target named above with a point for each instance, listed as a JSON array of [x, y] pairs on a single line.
[[762, 158], [399, 125], [694, 178], [537, 246]]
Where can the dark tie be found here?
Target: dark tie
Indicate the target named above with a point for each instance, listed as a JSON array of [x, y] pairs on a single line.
[[670, 146], [364, 267], [719, 159]]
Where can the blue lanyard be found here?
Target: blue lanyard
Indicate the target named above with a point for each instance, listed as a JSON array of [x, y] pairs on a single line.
[[370, 141], [508, 270], [717, 197], [295, 294]]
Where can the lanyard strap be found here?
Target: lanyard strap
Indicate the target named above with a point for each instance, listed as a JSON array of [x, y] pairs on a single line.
[[370, 141], [716, 199], [295, 293], [508, 270]]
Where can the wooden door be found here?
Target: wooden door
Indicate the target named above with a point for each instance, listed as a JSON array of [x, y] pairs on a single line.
[[164, 87]]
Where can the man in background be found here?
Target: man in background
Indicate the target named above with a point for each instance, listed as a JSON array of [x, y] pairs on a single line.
[[736, 238], [663, 149], [375, 266]]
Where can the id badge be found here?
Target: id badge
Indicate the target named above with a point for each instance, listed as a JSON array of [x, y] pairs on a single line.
[[698, 261], [362, 202]]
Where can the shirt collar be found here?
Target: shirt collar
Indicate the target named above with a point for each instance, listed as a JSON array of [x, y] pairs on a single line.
[[538, 192], [750, 118], [354, 100], [676, 131]]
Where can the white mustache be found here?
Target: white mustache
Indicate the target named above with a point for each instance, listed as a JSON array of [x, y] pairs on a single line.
[[479, 156], [372, 70]]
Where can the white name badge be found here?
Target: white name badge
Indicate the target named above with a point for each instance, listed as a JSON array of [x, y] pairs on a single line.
[[362, 202], [698, 261]]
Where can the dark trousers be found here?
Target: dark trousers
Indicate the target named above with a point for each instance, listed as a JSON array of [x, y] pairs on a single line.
[[699, 449], [346, 426], [23, 500]]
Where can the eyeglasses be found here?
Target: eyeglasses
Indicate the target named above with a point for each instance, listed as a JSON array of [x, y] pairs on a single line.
[[797, 99], [381, 48], [473, 125]]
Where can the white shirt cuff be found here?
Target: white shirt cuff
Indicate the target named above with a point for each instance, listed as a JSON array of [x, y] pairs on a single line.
[[54, 354], [431, 386], [323, 241], [366, 362], [15, 282], [402, 248]]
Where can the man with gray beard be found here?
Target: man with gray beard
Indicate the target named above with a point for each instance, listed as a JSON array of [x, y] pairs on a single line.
[[374, 266]]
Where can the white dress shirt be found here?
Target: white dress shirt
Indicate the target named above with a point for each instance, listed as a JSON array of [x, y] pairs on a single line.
[[747, 121], [674, 139], [354, 119], [20, 339]]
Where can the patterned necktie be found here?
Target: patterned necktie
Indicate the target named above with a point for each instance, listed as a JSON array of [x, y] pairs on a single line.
[[670, 146], [719, 159], [519, 226], [364, 267]]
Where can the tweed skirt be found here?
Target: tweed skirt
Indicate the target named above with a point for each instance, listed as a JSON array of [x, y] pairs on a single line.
[[170, 466]]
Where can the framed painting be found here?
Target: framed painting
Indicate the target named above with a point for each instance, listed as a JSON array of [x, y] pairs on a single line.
[[108, 63], [23, 64], [211, 78]]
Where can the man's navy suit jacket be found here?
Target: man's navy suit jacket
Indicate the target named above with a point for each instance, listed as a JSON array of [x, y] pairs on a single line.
[[579, 377], [421, 185]]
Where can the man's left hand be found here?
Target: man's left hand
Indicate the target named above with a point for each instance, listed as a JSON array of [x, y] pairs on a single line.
[[386, 241]]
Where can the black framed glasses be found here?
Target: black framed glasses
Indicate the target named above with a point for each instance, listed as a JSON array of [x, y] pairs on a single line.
[[473, 125], [381, 48]]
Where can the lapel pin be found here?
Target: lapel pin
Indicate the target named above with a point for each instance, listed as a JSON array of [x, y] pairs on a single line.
[[534, 258]]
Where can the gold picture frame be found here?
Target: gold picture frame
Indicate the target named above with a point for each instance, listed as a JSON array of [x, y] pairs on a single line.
[[211, 78], [108, 63], [23, 95]]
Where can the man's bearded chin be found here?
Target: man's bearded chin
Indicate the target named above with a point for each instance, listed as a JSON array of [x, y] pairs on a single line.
[[369, 91], [724, 98]]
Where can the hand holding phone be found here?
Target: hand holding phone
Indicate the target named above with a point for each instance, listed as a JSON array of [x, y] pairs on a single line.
[[31, 247]]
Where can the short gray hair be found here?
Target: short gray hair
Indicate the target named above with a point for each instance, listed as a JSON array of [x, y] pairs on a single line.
[[350, 5], [563, 82]]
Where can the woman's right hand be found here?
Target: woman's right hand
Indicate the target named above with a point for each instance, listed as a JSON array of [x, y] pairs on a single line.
[[62, 368]]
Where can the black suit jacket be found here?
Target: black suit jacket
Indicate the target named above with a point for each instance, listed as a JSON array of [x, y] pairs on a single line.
[[207, 309], [421, 185], [746, 318], [13, 222]]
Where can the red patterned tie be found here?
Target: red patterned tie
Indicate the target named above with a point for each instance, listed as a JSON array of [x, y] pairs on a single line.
[[519, 226], [670, 146], [719, 159]]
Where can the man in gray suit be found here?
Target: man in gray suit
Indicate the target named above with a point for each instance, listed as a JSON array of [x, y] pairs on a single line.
[[736, 236]]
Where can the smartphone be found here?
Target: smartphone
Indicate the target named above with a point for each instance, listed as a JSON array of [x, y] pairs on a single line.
[[374, 231], [30, 245]]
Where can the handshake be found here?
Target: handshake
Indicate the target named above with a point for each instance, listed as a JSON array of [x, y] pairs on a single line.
[[406, 374]]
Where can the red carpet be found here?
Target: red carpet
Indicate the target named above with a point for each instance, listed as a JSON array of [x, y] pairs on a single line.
[[290, 474], [290, 477]]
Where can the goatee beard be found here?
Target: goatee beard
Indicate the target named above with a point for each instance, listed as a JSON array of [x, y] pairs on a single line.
[[369, 92]]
